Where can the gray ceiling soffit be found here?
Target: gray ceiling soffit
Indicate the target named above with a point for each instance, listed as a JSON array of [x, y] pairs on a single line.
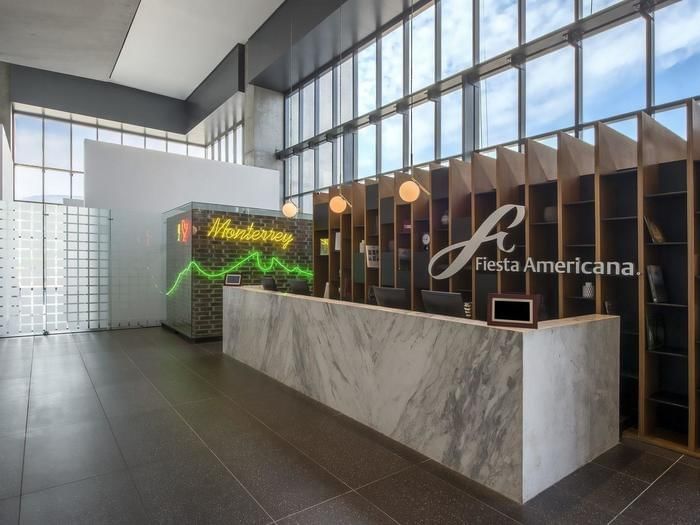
[[227, 79], [320, 30], [78, 37]]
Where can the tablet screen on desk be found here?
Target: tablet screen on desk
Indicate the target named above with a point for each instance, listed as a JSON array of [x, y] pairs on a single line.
[[233, 279]]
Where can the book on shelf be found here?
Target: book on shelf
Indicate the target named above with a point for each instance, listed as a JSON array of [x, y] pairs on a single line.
[[657, 286], [655, 233], [656, 331]]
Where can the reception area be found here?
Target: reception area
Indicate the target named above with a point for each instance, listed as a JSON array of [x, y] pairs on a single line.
[[350, 262]]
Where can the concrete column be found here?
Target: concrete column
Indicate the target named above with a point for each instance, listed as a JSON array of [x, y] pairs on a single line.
[[5, 112], [263, 115]]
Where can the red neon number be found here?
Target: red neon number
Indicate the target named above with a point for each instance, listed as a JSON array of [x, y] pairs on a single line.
[[184, 229]]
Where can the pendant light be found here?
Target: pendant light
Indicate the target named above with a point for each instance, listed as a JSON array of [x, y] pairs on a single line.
[[338, 204], [289, 209]]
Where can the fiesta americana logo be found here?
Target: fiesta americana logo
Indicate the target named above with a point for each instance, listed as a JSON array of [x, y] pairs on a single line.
[[486, 234]]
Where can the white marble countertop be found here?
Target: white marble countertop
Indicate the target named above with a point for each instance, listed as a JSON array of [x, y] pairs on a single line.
[[542, 325]]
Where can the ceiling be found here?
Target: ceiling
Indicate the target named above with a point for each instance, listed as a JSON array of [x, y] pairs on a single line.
[[169, 46], [174, 44]]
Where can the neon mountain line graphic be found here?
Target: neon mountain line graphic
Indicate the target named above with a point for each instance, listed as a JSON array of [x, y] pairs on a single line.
[[253, 257]]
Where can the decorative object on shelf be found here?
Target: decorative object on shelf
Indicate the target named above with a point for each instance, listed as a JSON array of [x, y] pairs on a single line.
[[588, 290], [550, 214], [372, 255], [655, 276], [656, 331], [468, 310], [323, 248], [404, 257], [290, 210], [338, 242], [425, 239], [445, 219], [406, 226], [327, 291], [657, 236], [390, 245], [362, 246]]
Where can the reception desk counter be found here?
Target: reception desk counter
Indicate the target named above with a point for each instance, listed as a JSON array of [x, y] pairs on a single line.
[[513, 409]]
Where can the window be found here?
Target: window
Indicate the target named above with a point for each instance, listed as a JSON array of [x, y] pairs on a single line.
[[308, 119], [457, 34], [544, 16], [423, 49], [325, 102], [345, 82], [28, 184], [423, 133], [549, 94], [627, 127], [231, 146], [130, 139], [451, 124], [56, 186], [239, 144], [179, 148], [109, 135], [80, 135], [588, 7], [392, 143], [325, 165], [155, 144], [292, 173], [677, 51], [293, 119], [392, 65], [499, 108], [366, 151], [28, 140], [674, 119], [613, 71], [57, 150], [308, 170], [367, 79], [195, 151], [498, 27]]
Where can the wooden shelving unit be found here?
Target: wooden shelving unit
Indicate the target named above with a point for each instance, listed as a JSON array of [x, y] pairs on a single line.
[[582, 201]]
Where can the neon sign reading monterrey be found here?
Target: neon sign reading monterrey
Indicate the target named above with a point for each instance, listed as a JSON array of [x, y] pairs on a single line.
[[222, 229], [485, 234]]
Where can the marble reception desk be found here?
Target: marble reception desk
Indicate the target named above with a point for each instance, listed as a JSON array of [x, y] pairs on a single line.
[[513, 409]]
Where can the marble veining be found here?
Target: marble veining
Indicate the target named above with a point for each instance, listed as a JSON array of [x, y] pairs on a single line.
[[451, 390]]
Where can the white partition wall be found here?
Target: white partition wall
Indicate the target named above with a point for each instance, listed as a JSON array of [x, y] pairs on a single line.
[[138, 186]]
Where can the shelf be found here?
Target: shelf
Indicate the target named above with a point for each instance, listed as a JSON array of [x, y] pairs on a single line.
[[580, 245], [580, 298], [666, 194], [668, 305], [619, 219], [628, 374], [579, 203], [670, 351], [544, 223], [669, 398], [668, 243]]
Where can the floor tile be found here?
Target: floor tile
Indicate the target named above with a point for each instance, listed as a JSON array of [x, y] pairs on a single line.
[[197, 489], [185, 390], [155, 436], [104, 376], [555, 505], [106, 500], [634, 462], [14, 368], [14, 388], [342, 448], [76, 381], [109, 360], [691, 461], [58, 455], [281, 478], [59, 365], [49, 350], [64, 409], [349, 509], [631, 442], [9, 511], [415, 496], [602, 487], [130, 398], [11, 455], [674, 498], [13, 415]]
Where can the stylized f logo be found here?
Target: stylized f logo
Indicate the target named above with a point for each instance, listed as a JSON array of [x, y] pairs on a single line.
[[482, 235]]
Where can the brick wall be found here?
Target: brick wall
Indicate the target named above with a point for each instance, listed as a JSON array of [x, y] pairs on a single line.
[[215, 254]]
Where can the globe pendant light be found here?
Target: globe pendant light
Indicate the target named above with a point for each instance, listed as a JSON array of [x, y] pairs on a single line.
[[290, 210]]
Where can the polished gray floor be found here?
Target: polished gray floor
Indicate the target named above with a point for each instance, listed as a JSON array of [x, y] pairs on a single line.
[[141, 427]]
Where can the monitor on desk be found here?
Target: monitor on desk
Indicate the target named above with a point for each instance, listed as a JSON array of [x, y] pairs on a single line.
[[443, 303], [298, 287], [269, 283], [392, 297]]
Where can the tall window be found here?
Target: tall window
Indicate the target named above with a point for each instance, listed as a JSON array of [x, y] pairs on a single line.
[[613, 71], [499, 108], [346, 90], [325, 102], [292, 121], [392, 65], [307, 103], [451, 124], [498, 26], [550, 92], [456, 36], [423, 131], [366, 151], [325, 165], [423, 49], [367, 79], [545, 16], [392, 143], [308, 173]]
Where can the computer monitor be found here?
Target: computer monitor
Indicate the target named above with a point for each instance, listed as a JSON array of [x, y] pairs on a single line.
[[443, 303], [392, 297], [269, 283], [298, 287]]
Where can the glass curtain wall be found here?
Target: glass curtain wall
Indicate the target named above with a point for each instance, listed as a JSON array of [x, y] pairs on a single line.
[[411, 94]]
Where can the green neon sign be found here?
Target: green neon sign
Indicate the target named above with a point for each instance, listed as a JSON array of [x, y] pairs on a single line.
[[253, 257]]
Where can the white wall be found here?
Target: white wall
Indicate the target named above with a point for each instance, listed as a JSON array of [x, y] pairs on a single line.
[[139, 186]]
